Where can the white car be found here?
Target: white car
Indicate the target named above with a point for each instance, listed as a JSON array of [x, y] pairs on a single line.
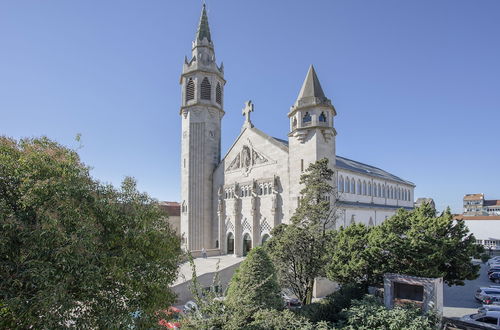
[[487, 295], [494, 307], [489, 319], [494, 260]]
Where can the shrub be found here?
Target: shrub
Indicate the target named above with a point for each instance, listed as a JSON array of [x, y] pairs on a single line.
[[330, 308], [485, 257]]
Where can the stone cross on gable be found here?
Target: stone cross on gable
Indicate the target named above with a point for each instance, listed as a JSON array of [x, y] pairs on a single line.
[[246, 112]]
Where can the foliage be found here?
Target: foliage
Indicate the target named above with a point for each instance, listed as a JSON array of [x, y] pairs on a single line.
[[298, 250], [254, 285], [265, 319], [368, 314], [330, 308], [211, 312], [419, 243], [349, 259], [485, 257], [74, 251], [416, 243]]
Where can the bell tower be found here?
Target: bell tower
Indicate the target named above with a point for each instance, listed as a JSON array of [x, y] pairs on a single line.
[[312, 133], [202, 85]]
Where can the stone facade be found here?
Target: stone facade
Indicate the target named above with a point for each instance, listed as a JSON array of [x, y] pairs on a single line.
[[231, 204]]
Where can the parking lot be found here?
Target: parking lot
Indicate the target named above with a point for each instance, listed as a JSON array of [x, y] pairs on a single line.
[[459, 300]]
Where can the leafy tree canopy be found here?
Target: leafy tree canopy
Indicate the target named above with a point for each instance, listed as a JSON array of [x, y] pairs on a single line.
[[254, 284], [74, 251], [416, 242]]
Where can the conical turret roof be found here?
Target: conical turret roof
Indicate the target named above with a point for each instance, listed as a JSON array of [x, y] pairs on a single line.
[[311, 86], [203, 28], [311, 92]]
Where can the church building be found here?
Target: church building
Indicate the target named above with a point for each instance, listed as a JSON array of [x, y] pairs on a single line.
[[230, 204]]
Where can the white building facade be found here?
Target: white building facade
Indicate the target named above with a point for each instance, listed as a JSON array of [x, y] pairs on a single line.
[[232, 203]]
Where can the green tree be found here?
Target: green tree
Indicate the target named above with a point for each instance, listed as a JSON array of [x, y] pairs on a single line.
[[349, 257], [74, 251], [416, 242], [254, 284], [298, 250]]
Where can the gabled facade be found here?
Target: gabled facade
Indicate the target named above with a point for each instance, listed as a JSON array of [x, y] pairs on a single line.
[[232, 204]]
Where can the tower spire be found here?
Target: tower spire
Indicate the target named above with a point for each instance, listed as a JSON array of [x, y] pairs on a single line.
[[311, 86], [203, 28]]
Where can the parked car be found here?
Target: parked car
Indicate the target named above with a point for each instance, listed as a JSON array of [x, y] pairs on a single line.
[[190, 307], [173, 317], [489, 319], [487, 295], [290, 301], [493, 270], [494, 260], [495, 277], [493, 307]]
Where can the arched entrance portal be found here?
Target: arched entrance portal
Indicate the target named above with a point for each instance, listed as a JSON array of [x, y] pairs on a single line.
[[247, 244], [230, 243], [265, 238]]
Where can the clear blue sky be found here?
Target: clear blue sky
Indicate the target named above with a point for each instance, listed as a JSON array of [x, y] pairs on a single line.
[[416, 84]]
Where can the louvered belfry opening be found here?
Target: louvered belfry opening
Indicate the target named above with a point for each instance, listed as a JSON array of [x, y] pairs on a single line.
[[205, 89], [190, 90], [218, 94]]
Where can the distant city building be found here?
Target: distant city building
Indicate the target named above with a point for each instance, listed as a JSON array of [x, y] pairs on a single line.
[[173, 210], [427, 200], [475, 204], [486, 229]]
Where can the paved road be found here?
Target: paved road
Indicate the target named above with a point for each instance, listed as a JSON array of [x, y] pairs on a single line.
[[459, 300]]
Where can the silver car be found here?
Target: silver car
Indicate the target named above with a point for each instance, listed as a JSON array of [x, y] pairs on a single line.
[[487, 295], [489, 319]]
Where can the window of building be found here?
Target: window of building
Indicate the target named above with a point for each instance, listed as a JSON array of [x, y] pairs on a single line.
[[364, 188], [218, 94], [206, 89], [346, 187], [341, 184], [190, 90], [294, 123], [322, 118], [369, 188], [302, 165], [353, 186], [306, 118], [359, 188]]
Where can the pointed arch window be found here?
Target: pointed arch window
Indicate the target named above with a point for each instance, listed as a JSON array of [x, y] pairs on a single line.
[[369, 188], [359, 187], [306, 118], [190, 90], [322, 118], [206, 89], [353, 186], [341, 184], [218, 94], [346, 187], [364, 187]]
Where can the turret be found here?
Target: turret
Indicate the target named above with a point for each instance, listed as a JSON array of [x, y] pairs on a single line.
[[312, 133]]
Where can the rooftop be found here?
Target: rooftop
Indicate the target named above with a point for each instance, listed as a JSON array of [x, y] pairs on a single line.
[[473, 197], [172, 208], [352, 165], [477, 217]]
